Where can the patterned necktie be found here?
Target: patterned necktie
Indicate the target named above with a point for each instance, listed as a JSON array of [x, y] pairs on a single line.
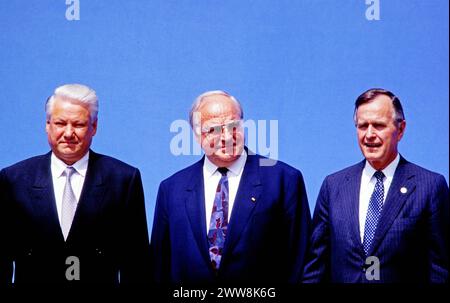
[[69, 203], [373, 211], [219, 220]]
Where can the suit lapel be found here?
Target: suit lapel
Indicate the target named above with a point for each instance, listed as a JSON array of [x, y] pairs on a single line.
[[247, 197], [195, 208], [43, 198], [350, 193], [395, 200], [92, 196]]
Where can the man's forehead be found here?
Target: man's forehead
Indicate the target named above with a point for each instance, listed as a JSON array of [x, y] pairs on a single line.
[[68, 108], [217, 104], [216, 97], [380, 105]]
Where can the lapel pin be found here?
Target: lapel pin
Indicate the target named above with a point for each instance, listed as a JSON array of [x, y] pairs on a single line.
[[253, 199], [403, 190]]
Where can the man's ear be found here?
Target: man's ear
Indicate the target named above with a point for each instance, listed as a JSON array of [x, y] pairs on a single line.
[[94, 127], [401, 130], [198, 137]]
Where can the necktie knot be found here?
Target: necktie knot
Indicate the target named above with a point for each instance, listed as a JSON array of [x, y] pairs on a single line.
[[223, 171], [379, 175], [68, 172]]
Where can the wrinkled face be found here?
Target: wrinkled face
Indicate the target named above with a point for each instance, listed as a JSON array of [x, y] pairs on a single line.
[[222, 135], [378, 134], [69, 130]]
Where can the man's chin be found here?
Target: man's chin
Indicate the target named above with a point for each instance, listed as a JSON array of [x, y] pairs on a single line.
[[235, 153], [68, 155], [66, 148], [372, 154], [224, 158]]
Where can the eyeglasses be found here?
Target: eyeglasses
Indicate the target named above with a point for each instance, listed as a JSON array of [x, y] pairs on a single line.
[[214, 130]]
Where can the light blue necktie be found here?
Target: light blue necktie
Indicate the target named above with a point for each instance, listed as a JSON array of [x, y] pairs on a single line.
[[69, 203], [373, 211]]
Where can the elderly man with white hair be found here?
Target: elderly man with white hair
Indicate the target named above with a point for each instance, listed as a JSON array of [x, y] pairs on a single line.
[[230, 217], [72, 215]]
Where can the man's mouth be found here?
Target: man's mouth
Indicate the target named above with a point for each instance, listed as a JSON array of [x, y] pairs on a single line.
[[372, 145]]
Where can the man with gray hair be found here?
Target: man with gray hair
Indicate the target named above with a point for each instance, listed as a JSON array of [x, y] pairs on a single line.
[[384, 219], [72, 214], [229, 218]]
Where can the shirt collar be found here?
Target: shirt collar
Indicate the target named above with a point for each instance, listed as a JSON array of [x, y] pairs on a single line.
[[235, 168], [58, 166], [388, 171]]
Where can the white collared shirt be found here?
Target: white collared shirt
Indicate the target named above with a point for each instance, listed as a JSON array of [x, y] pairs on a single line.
[[59, 179], [211, 177], [368, 185]]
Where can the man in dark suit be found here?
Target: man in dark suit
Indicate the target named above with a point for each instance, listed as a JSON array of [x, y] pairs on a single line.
[[72, 214], [232, 216], [384, 219]]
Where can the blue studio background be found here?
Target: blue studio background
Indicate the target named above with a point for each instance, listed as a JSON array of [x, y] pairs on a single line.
[[300, 62]]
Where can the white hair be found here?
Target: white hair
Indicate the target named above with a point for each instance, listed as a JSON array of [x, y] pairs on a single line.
[[74, 92], [199, 100]]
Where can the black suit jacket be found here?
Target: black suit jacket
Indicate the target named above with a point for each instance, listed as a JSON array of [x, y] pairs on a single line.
[[108, 233]]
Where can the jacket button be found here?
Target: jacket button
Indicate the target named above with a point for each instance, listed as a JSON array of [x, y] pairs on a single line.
[[98, 251], [365, 266]]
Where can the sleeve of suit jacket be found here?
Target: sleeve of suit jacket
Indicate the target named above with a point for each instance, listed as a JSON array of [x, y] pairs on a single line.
[[298, 222], [135, 263], [160, 252], [439, 226], [318, 258], [6, 263]]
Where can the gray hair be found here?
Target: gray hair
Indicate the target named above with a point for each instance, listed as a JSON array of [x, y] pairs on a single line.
[[75, 92], [370, 95], [199, 100]]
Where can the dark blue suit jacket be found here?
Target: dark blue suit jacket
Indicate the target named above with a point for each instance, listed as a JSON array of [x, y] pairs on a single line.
[[411, 240], [267, 239], [108, 234]]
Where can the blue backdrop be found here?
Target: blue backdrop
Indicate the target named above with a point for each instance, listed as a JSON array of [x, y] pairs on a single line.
[[299, 62]]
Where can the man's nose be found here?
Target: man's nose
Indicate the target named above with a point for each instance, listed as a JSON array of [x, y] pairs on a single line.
[[370, 132], [68, 131], [226, 134]]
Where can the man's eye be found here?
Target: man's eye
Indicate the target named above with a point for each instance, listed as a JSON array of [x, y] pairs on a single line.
[[233, 125], [216, 129], [379, 126], [362, 126]]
